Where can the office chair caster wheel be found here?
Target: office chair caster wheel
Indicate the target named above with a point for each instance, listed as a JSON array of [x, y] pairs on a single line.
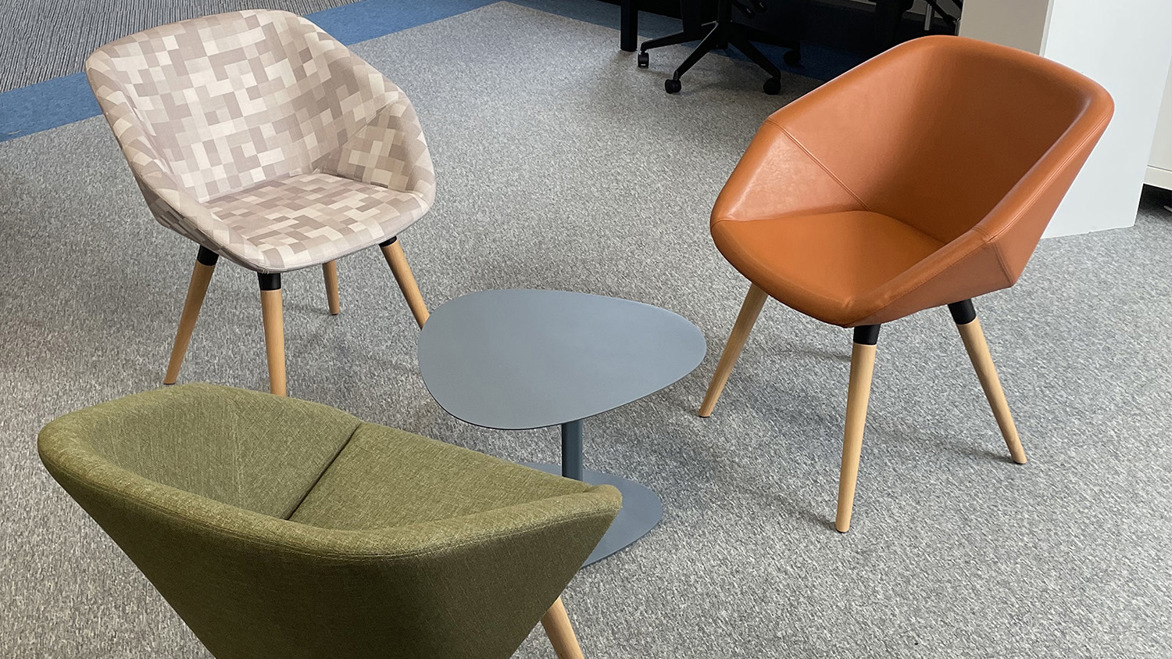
[[672, 86], [644, 60], [792, 57], [772, 86]]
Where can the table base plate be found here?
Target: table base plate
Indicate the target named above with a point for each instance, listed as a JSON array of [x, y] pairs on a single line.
[[642, 510]]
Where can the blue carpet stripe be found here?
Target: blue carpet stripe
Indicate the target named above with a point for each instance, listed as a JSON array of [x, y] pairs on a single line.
[[370, 19], [46, 105], [67, 99]]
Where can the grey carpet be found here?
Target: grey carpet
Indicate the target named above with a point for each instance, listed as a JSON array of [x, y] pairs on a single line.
[[561, 165], [43, 39]]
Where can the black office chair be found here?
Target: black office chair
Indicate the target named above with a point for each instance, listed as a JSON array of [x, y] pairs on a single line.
[[889, 17], [722, 33], [953, 22]]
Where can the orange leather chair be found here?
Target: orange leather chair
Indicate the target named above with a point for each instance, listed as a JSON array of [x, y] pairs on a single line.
[[923, 177]]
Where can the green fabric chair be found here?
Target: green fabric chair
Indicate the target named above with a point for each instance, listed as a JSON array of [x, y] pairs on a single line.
[[282, 528]]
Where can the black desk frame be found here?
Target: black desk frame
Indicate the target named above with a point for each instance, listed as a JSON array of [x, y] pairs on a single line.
[[888, 15]]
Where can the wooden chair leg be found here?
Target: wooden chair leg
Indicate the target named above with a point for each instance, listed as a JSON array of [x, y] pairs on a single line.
[[732, 350], [858, 393], [270, 307], [393, 253], [560, 632], [330, 270], [205, 265], [965, 316]]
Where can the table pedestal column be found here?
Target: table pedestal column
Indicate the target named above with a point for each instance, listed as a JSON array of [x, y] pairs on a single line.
[[572, 450]]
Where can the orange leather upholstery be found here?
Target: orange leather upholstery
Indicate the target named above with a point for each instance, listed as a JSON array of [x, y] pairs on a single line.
[[923, 177]]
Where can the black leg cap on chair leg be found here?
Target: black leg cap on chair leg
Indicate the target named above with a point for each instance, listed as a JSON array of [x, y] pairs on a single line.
[[867, 335], [206, 256], [963, 312], [269, 281]]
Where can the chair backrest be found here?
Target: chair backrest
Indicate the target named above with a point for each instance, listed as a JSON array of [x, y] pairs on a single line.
[[195, 484], [228, 101], [946, 134]]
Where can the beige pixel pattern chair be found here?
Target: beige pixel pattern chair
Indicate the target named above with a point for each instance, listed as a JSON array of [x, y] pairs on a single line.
[[267, 142]]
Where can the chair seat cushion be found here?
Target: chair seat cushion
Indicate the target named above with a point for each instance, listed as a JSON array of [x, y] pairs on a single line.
[[386, 478], [824, 265], [299, 221]]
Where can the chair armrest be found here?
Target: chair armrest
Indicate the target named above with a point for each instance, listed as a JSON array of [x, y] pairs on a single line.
[[964, 268], [389, 151], [169, 201], [175, 208]]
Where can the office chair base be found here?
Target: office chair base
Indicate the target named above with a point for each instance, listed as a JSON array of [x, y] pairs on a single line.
[[723, 34]]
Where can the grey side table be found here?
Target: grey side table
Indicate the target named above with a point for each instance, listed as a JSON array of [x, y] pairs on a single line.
[[521, 359]]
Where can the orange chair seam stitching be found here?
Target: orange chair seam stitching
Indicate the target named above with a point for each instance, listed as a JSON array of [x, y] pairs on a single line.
[[1004, 266], [818, 162]]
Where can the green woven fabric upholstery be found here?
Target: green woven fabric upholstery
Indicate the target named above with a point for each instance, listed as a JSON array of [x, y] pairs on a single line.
[[282, 528]]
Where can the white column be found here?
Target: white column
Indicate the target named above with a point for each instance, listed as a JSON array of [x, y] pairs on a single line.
[[1017, 23], [1124, 45], [1160, 166]]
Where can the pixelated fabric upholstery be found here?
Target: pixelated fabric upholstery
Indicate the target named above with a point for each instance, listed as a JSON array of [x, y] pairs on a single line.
[[264, 139]]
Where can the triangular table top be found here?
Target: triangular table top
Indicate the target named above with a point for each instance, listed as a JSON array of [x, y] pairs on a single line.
[[520, 359]]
